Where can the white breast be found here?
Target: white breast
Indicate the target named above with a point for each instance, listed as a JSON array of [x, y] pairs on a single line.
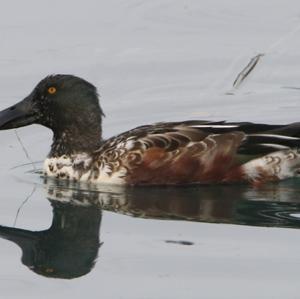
[[79, 167]]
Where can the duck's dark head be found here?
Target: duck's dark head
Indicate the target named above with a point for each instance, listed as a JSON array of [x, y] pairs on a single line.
[[67, 105]]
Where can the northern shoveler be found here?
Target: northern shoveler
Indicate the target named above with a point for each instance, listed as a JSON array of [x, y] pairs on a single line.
[[188, 152]]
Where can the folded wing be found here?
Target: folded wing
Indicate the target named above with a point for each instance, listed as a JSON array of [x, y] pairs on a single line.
[[191, 152]]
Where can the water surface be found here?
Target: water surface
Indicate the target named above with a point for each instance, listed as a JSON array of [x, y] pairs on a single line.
[[98, 235]]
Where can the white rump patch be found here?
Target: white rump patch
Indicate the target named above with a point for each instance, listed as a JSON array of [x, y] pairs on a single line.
[[279, 165]]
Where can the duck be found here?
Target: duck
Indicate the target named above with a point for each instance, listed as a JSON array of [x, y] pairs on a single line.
[[164, 153]]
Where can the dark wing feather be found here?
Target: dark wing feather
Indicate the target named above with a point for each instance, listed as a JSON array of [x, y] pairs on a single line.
[[273, 139]]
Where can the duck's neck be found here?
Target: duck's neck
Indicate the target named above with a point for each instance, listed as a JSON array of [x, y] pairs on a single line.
[[75, 139]]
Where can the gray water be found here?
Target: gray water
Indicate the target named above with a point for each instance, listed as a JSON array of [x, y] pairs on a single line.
[[63, 239], [152, 61]]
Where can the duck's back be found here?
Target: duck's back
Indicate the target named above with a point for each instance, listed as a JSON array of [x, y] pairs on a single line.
[[199, 152]]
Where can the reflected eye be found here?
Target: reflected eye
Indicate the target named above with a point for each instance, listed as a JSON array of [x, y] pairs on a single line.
[[52, 90]]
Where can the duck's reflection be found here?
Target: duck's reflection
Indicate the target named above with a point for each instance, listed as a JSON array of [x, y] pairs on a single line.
[[69, 248], [271, 205]]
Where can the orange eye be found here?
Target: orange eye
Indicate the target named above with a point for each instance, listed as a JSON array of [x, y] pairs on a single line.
[[52, 90]]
